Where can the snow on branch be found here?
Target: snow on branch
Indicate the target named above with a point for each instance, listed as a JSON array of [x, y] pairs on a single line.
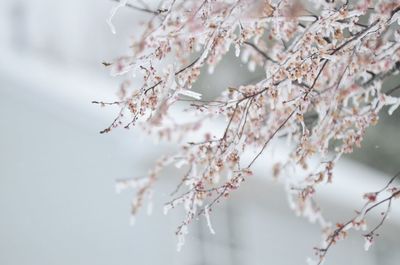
[[324, 64], [373, 200]]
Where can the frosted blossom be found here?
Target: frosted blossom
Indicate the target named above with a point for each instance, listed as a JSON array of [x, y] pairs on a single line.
[[321, 90]]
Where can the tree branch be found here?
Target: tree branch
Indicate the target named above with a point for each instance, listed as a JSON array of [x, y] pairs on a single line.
[[142, 9]]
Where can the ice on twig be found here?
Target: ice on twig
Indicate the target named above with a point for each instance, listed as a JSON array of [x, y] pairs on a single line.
[[190, 94], [113, 11], [207, 215]]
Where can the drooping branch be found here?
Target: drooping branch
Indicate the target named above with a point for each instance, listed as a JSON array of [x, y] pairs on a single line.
[[321, 91], [359, 220]]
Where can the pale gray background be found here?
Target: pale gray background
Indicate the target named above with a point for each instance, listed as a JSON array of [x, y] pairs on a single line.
[[57, 197]]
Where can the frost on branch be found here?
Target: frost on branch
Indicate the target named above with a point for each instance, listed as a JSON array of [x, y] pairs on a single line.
[[112, 14], [324, 63], [374, 200]]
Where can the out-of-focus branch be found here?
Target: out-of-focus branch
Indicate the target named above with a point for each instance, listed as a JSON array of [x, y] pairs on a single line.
[[391, 91], [339, 233], [143, 9], [266, 56]]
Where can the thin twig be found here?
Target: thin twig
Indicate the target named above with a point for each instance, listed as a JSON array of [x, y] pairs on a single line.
[[142, 9]]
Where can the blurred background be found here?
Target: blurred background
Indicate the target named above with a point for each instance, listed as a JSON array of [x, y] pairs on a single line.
[[58, 203]]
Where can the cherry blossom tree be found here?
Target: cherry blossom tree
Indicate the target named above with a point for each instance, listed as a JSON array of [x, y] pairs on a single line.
[[324, 63]]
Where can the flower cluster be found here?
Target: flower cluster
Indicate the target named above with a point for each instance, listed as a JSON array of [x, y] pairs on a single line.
[[324, 64]]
